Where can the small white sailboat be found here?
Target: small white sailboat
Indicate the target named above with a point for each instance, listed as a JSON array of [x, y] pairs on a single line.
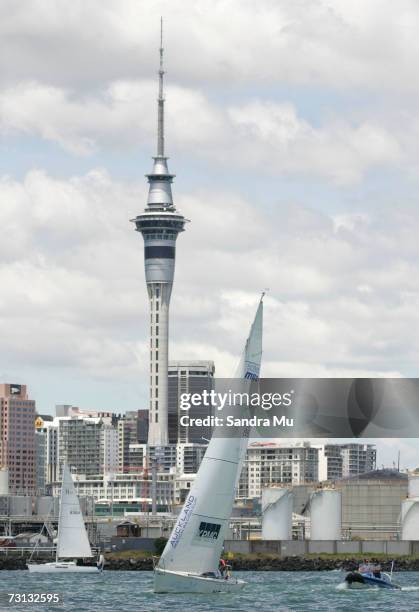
[[72, 540], [190, 560]]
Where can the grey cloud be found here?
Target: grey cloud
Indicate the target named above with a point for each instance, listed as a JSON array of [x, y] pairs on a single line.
[[335, 44], [266, 136]]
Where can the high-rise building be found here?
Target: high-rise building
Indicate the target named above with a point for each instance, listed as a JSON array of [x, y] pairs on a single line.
[[142, 426], [330, 462], [46, 436], [109, 449], [189, 377], [189, 457], [358, 459], [40, 454], [127, 435], [80, 444], [17, 438], [159, 224], [268, 463], [338, 461]]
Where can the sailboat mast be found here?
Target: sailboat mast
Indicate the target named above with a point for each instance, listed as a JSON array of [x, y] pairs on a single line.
[[60, 513]]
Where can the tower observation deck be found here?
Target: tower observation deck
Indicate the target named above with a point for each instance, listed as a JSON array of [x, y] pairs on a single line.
[[159, 224]]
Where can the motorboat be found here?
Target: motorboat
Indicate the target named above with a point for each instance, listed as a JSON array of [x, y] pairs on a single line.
[[370, 575]]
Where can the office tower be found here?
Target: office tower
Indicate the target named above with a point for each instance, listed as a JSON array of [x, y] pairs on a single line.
[[17, 438], [189, 377], [127, 435], [142, 426], [159, 224]]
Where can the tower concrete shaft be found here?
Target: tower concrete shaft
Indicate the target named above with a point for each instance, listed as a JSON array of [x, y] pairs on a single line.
[[159, 225]]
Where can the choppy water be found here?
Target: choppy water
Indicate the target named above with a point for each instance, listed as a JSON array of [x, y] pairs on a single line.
[[279, 591]]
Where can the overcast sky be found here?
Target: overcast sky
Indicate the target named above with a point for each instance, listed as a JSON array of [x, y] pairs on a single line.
[[293, 130]]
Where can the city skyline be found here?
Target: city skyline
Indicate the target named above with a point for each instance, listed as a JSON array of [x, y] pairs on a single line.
[[298, 173]]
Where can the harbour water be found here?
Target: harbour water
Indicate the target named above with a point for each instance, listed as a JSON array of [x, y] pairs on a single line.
[[279, 591]]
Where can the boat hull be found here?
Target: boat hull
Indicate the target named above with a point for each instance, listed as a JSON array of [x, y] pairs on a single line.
[[356, 580], [166, 581], [62, 567]]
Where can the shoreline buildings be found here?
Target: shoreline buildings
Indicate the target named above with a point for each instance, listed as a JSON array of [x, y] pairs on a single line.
[[159, 224]]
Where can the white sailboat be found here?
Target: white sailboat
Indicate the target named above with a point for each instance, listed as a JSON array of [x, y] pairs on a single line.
[[190, 560], [72, 540]]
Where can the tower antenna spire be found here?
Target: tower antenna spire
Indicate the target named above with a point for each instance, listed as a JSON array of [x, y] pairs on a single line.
[[160, 100]]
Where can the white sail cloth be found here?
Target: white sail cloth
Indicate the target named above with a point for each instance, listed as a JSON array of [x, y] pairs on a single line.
[[72, 541], [196, 541]]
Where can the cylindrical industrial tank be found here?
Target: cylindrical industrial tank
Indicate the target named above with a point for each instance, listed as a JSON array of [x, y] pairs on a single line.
[[44, 505], [276, 514], [56, 506], [86, 505], [326, 514], [409, 519], [4, 505], [20, 505], [413, 485], [4, 481]]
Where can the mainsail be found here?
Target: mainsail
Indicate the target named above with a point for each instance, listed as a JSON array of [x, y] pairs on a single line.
[[196, 541], [72, 541]]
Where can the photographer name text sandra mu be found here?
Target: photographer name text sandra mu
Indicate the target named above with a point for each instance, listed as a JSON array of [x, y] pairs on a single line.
[[231, 421]]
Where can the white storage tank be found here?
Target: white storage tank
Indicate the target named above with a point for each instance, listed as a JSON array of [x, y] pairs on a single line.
[[276, 513], [409, 519], [20, 505], [86, 505], [413, 486], [56, 506], [44, 505], [326, 514], [4, 481], [4, 505]]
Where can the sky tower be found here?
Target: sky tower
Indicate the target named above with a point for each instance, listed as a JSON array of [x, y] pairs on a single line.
[[160, 225]]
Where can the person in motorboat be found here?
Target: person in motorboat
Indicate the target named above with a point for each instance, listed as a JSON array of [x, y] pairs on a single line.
[[370, 568], [376, 570], [370, 574]]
